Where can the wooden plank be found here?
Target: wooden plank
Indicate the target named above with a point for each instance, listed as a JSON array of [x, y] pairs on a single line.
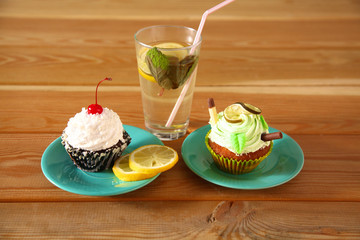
[[181, 220], [330, 173], [83, 66], [350, 89], [42, 112], [184, 9], [257, 53], [266, 34]]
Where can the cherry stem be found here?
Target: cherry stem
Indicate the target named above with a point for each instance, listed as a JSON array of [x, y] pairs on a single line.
[[109, 79]]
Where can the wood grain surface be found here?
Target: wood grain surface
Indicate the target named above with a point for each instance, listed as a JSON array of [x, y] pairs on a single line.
[[48, 111], [185, 9], [265, 57], [314, 183], [299, 61], [181, 220]]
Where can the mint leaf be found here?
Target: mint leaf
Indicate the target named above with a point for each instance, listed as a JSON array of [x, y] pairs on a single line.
[[172, 71], [179, 72], [187, 66], [238, 141], [158, 64], [158, 59], [168, 71]]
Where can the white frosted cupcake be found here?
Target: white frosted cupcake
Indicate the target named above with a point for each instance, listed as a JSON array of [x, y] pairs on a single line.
[[95, 141], [94, 138]]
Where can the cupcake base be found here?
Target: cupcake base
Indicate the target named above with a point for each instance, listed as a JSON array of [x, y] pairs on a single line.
[[96, 161], [244, 163]]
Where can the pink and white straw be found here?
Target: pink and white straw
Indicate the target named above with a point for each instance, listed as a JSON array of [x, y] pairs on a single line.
[[197, 38]]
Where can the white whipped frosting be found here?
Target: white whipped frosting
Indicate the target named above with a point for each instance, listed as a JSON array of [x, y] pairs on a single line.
[[94, 132], [251, 125]]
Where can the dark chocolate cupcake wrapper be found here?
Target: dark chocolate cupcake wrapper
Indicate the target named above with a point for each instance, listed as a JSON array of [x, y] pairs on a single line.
[[96, 161], [234, 166]]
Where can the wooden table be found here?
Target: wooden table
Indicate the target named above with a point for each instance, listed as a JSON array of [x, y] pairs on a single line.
[[298, 60]]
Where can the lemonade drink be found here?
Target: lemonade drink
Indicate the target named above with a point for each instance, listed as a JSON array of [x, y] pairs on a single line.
[[166, 60]]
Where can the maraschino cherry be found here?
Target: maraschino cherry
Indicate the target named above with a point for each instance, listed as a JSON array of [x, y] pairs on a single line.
[[96, 108]]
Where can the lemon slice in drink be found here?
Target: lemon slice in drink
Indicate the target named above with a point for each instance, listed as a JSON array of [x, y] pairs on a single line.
[[122, 170], [141, 60], [169, 45], [180, 54], [143, 67], [232, 113], [146, 76], [153, 159]]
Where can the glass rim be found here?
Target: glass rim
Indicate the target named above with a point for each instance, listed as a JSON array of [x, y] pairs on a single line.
[[167, 26]]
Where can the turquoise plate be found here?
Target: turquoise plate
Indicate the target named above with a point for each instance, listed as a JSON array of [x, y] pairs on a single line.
[[283, 164], [59, 169]]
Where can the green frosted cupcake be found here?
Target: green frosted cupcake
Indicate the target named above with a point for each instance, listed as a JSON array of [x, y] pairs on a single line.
[[237, 139]]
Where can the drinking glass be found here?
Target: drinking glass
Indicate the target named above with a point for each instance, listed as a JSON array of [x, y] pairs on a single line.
[[166, 59]]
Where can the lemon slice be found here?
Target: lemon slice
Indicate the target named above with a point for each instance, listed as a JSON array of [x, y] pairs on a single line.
[[146, 76], [232, 113], [153, 159], [122, 170], [180, 54], [169, 45], [141, 60], [143, 67]]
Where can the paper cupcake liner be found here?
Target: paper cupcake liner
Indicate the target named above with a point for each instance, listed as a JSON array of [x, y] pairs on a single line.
[[96, 161], [234, 166]]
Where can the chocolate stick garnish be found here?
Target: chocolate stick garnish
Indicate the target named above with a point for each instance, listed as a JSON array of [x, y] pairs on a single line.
[[212, 111], [211, 103], [271, 136]]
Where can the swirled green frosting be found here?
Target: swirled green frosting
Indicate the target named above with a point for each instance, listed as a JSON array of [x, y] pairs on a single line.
[[242, 137]]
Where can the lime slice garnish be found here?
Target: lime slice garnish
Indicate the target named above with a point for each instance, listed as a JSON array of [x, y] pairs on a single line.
[[232, 113]]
